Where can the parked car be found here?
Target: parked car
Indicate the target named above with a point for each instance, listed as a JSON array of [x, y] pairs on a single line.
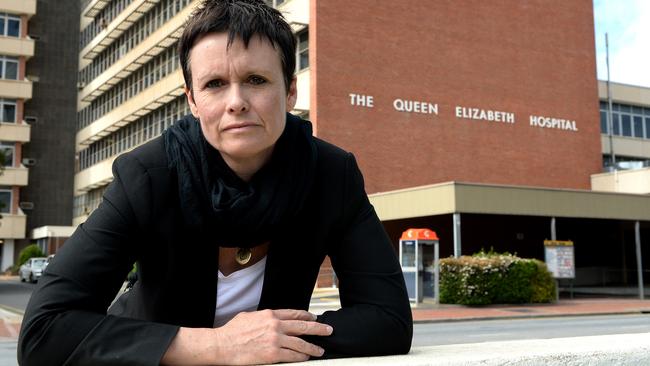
[[32, 269], [49, 259]]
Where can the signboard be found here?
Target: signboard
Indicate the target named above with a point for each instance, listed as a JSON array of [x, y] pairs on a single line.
[[559, 258]]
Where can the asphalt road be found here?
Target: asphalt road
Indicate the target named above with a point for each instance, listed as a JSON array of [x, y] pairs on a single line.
[[516, 329], [15, 294]]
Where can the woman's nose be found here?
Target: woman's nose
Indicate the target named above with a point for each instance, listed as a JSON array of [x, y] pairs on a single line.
[[237, 102]]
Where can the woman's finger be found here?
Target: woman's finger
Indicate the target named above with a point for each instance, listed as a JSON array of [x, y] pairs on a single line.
[[301, 327], [299, 345], [293, 314], [289, 355]]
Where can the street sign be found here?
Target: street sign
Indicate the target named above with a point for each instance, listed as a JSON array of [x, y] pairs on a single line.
[[560, 258]]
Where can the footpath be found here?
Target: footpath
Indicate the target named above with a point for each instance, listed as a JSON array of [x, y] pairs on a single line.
[[428, 312]]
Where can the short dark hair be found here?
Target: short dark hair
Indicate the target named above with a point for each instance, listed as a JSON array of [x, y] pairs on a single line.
[[242, 19]]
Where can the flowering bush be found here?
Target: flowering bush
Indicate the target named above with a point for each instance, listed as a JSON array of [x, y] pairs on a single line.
[[492, 278]]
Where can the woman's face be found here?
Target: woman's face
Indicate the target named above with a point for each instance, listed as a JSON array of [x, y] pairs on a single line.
[[239, 96]]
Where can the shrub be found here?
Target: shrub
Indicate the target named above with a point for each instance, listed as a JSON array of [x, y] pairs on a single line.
[[491, 278], [29, 251]]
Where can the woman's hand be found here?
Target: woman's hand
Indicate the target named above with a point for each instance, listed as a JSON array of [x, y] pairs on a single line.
[[266, 336]]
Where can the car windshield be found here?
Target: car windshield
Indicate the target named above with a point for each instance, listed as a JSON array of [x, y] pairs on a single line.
[[38, 263]]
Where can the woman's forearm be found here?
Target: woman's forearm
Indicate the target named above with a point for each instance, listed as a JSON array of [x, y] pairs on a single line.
[[192, 346]]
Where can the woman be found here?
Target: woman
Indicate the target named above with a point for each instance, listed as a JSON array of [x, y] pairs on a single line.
[[229, 215]]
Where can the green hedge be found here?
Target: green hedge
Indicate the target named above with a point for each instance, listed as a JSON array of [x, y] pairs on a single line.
[[29, 251], [490, 278]]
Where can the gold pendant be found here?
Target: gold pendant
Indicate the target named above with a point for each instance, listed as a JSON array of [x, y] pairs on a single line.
[[243, 255]]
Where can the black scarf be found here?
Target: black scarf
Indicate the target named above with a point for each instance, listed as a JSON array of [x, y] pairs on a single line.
[[234, 212]]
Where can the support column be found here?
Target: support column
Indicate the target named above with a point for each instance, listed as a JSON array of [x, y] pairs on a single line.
[[457, 235], [639, 262], [553, 232], [7, 254]]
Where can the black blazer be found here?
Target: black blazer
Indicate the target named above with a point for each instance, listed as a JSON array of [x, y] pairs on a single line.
[[66, 321]]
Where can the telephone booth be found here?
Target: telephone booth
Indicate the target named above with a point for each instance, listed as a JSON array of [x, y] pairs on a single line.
[[418, 256]]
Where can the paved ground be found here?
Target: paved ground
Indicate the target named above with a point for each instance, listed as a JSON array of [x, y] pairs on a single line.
[[327, 299]]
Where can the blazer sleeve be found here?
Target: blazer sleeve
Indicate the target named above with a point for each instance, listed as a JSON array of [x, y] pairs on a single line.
[[66, 321], [375, 318]]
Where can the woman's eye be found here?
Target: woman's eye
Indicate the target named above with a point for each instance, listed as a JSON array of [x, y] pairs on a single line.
[[256, 80], [214, 84]]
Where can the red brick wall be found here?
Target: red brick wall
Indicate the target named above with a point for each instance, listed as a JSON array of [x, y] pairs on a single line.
[[528, 58]]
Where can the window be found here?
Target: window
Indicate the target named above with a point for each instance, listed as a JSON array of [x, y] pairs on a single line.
[[638, 126], [7, 110], [275, 3], [303, 50], [8, 67], [627, 120], [7, 151], [603, 121], [9, 25], [5, 200], [627, 125], [616, 125]]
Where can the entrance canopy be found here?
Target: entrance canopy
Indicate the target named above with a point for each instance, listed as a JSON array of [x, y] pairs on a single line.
[[457, 197]]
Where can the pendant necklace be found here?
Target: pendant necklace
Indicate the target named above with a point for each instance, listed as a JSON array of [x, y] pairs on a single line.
[[243, 255]]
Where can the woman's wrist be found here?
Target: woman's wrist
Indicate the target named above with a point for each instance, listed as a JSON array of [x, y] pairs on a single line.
[[193, 346]]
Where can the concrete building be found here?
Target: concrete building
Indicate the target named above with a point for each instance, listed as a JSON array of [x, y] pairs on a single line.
[[473, 113], [131, 84], [16, 48], [52, 114], [38, 101]]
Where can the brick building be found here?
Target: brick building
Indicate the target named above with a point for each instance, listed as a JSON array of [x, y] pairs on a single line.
[[485, 114]]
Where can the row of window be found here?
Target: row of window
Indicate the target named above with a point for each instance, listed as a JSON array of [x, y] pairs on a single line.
[[6, 195], [7, 152], [88, 202], [628, 121], [9, 67], [624, 163], [146, 25], [151, 72], [8, 110], [102, 20], [9, 25], [133, 134]]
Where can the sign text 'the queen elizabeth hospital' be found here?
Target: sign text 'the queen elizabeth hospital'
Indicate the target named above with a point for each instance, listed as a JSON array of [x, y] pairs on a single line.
[[463, 112]]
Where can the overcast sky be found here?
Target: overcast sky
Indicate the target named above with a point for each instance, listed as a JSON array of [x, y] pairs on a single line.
[[628, 24]]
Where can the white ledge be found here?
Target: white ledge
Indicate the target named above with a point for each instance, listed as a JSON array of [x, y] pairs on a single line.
[[620, 349]]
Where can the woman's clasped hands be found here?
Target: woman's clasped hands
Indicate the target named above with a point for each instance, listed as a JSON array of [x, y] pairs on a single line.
[[259, 337]]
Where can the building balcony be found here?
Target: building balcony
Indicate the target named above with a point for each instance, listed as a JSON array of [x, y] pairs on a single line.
[[626, 146], [12, 46], [94, 7], [623, 93], [18, 132], [11, 176], [13, 226], [96, 176], [148, 100], [27, 7], [117, 26], [157, 42], [16, 89]]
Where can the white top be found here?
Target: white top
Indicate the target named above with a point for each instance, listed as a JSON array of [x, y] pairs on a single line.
[[239, 291]]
